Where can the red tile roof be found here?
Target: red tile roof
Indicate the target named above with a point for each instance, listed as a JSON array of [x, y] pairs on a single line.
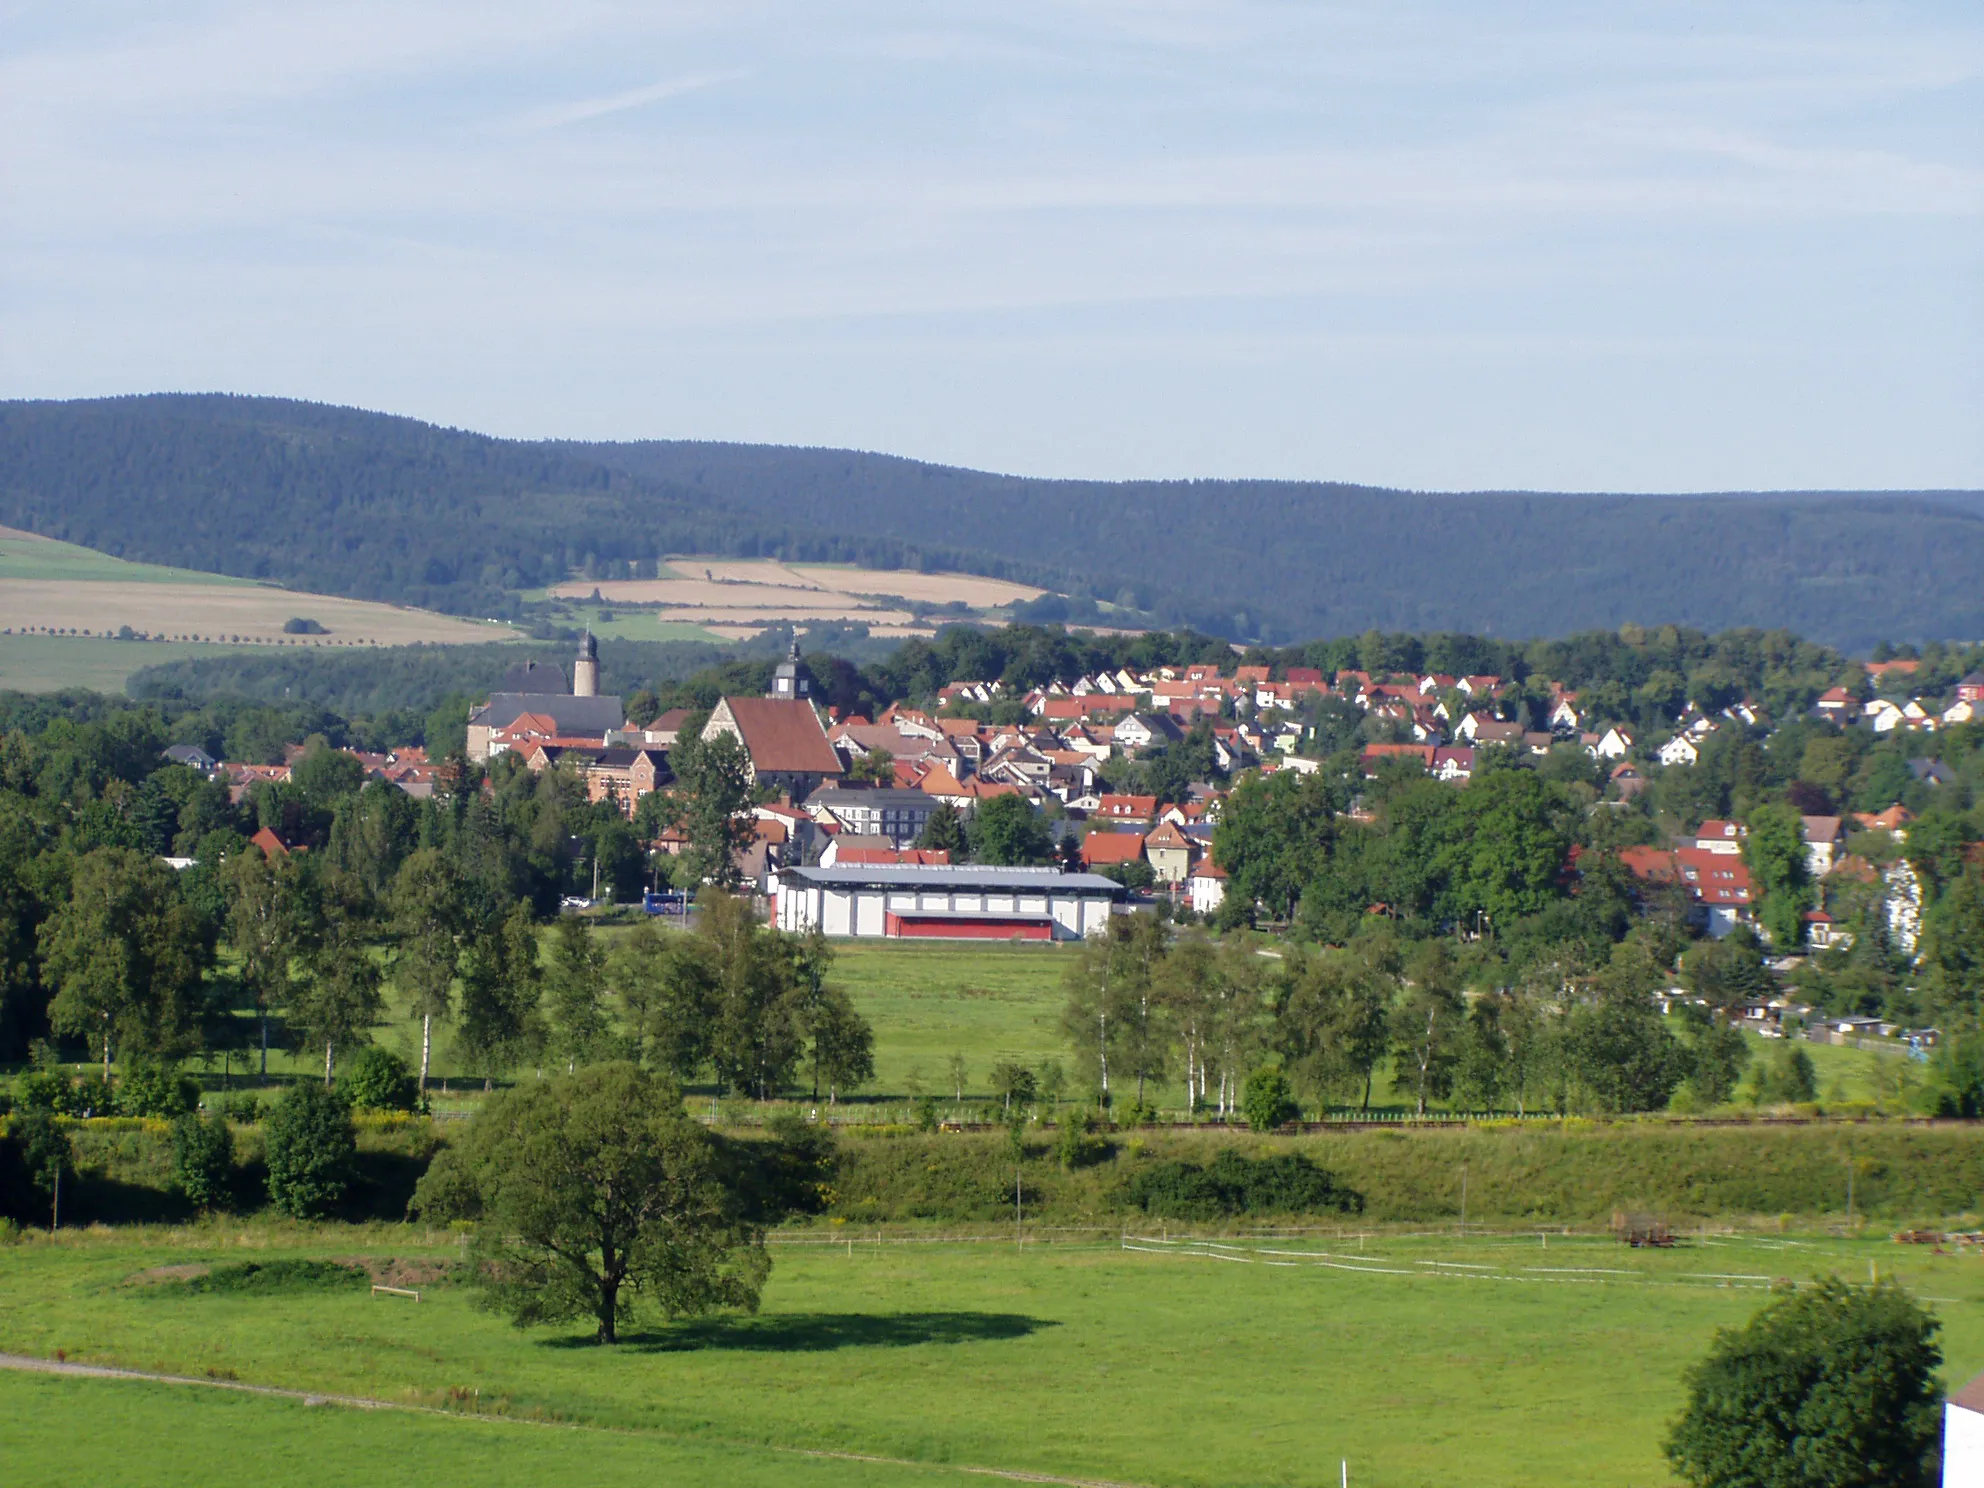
[[1112, 847], [784, 735]]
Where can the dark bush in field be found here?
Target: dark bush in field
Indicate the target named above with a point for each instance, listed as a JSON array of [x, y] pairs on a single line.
[[311, 1151], [264, 1277], [203, 1159], [1232, 1185]]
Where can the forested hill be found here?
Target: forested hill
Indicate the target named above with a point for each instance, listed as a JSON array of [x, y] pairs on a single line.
[[366, 504], [1282, 560], [389, 508]]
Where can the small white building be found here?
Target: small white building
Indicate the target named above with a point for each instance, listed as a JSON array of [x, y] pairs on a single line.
[[1963, 1437], [1207, 886], [930, 903]]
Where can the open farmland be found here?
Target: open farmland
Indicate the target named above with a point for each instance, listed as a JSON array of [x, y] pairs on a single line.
[[738, 598], [74, 617], [1419, 1358]]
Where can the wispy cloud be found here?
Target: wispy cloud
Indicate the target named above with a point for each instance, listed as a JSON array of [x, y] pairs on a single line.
[[557, 116]]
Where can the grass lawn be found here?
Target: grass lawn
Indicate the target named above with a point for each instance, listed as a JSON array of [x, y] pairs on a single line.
[[1538, 1363], [61, 1432], [35, 663]]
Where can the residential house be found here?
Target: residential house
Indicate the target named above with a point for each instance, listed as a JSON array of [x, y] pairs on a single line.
[[1105, 849], [1721, 837], [783, 741], [848, 849], [193, 758], [1614, 743], [1454, 764], [1373, 754], [898, 815], [1823, 835], [1207, 886], [1169, 852], [1627, 781], [1120, 810], [1143, 731], [1679, 750], [1971, 688], [1838, 705], [625, 776]]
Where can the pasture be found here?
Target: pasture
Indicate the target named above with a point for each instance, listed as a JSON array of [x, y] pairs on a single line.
[[1418, 1357]]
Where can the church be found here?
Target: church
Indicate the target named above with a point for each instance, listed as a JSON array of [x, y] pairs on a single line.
[[575, 709], [782, 735]]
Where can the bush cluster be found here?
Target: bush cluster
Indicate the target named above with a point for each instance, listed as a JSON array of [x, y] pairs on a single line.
[[1232, 1185]]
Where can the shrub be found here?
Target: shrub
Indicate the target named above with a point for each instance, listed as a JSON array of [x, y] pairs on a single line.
[[202, 1159], [45, 1089], [1267, 1101], [311, 1151], [1832, 1384], [377, 1079], [278, 1276], [303, 625], [1232, 1185], [926, 1113], [245, 1108], [91, 1096], [1080, 1146], [149, 1090], [1137, 1113]]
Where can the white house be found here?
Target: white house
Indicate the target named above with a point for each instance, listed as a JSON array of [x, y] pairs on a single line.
[[901, 902], [1679, 750], [1615, 743], [1963, 1437], [1207, 886]]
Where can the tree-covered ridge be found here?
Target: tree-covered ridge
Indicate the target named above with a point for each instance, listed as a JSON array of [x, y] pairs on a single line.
[[380, 507], [348, 502]]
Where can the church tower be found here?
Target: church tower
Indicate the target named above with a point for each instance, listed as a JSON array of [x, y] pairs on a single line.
[[585, 671], [790, 680]]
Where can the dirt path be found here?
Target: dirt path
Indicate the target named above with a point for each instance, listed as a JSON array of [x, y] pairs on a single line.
[[28, 1363]]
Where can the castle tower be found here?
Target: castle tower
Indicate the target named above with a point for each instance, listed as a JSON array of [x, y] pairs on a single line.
[[585, 671], [790, 680]]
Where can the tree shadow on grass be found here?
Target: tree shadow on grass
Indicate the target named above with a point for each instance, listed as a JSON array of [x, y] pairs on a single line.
[[823, 1332]]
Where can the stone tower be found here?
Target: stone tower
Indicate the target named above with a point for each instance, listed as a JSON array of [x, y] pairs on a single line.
[[585, 671]]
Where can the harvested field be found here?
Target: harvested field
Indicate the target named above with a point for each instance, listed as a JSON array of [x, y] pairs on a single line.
[[937, 588], [737, 598], [221, 612]]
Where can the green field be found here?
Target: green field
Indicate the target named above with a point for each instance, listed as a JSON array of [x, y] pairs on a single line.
[[39, 663], [27, 557], [1422, 1359]]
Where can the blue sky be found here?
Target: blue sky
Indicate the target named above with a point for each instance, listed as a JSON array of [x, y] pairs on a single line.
[[1621, 246]]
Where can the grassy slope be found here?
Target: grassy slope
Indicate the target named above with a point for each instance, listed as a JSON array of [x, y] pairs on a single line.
[[26, 557], [1085, 1360], [51, 663]]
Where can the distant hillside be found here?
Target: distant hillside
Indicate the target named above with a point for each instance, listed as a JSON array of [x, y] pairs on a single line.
[[1285, 560], [388, 508]]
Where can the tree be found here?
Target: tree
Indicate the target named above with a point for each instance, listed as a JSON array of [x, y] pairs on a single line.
[[575, 991], [1332, 1023], [1007, 832], [667, 988], [311, 1151], [127, 957], [202, 1159], [377, 1079], [711, 802], [269, 927], [1274, 836], [943, 831], [1429, 1026], [502, 1020], [46, 1154], [1268, 1100], [1502, 853], [593, 1189], [337, 1001], [841, 1043], [754, 977], [1618, 1050], [1014, 1084], [1831, 1386], [1775, 853], [1727, 972], [429, 922]]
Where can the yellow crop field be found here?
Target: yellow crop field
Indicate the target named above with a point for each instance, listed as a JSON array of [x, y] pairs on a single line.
[[736, 598]]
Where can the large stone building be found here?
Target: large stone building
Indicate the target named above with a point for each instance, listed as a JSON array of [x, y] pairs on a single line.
[[533, 687]]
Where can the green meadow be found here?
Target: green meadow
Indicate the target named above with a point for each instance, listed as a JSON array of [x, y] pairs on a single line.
[[44, 663], [1424, 1358], [25, 556]]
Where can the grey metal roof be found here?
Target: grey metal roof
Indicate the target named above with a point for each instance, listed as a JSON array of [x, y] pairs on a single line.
[[838, 797], [1013, 880], [578, 715]]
